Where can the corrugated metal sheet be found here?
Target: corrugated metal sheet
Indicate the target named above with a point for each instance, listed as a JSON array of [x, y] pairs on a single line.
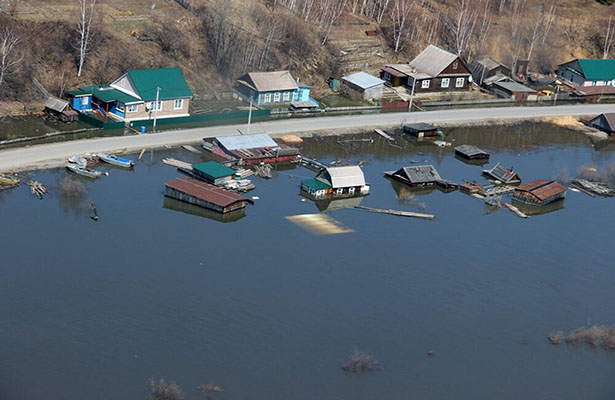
[[55, 104], [514, 87], [205, 191], [433, 60], [393, 72], [246, 141], [420, 174], [342, 177], [470, 150], [542, 189], [363, 80], [502, 173], [273, 81]]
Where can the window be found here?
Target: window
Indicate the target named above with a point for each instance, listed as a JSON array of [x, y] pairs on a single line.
[[459, 82], [351, 190], [339, 191], [387, 76], [178, 104], [425, 84], [119, 107], [267, 98], [455, 65], [276, 97], [150, 106], [445, 82], [131, 108], [286, 96]]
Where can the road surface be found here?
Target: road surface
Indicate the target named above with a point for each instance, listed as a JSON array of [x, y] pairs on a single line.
[[54, 154]]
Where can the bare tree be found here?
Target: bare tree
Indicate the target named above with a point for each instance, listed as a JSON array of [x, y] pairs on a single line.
[[485, 25], [517, 7], [535, 33], [550, 16], [10, 54], [608, 39], [501, 7], [382, 7], [399, 18], [464, 25], [84, 29], [331, 11], [11, 6]]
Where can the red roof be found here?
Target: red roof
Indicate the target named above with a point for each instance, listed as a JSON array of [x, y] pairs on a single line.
[[542, 188], [393, 72], [205, 191]]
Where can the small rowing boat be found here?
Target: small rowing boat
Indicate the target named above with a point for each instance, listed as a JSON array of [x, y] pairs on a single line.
[[9, 180], [76, 159], [83, 171], [115, 160]]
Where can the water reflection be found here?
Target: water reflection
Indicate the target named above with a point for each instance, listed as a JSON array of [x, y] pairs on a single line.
[[191, 209], [536, 210]]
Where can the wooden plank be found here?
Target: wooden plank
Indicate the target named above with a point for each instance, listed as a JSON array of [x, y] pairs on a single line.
[[515, 210], [397, 213], [383, 134], [177, 163]]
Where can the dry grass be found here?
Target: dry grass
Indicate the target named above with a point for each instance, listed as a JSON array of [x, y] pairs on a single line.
[[361, 362]]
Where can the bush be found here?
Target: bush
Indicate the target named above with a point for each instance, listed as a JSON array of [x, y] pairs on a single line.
[[163, 390], [361, 362]]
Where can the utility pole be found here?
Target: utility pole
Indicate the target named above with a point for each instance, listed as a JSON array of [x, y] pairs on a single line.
[[412, 94], [249, 115], [156, 108]]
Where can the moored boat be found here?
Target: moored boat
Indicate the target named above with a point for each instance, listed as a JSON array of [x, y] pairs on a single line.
[[9, 180], [83, 171], [115, 160], [76, 159]]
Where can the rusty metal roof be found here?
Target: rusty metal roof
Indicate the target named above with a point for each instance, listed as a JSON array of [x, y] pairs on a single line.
[[541, 188], [205, 191], [393, 72]]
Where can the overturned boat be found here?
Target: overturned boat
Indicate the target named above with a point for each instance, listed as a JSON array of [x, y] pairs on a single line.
[[115, 160], [83, 171]]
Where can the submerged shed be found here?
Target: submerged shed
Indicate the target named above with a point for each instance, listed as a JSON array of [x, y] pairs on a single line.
[[60, 109], [539, 192], [203, 194], [421, 129], [213, 172], [420, 175], [471, 152], [502, 174]]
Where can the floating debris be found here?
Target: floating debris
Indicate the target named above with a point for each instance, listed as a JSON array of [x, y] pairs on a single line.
[[603, 336], [361, 362], [37, 189], [264, 171], [209, 388], [397, 213], [502, 174], [588, 187], [177, 163], [93, 212], [383, 134], [192, 149]]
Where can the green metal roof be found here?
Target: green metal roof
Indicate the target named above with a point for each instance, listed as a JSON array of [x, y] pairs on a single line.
[[213, 169], [105, 93], [170, 80], [315, 184], [597, 69]]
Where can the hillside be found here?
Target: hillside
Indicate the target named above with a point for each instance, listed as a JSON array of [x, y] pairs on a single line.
[[215, 41]]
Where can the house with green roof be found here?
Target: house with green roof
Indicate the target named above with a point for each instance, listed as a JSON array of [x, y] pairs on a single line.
[[588, 72], [137, 95], [213, 172]]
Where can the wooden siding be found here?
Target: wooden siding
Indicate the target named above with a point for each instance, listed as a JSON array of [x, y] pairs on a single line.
[[168, 110]]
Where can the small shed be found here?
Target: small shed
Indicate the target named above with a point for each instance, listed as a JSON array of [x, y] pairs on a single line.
[[213, 172], [421, 129], [60, 109], [417, 176], [605, 122], [362, 86], [471, 152], [539, 192], [502, 174], [486, 67], [394, 77], [514, 90], [203, 194], [303, 106]]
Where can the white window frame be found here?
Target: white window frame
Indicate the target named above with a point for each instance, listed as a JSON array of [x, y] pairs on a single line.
[[176, 102], [460, 82], [425, 84], [286, 96], [132, 108], [351, 190], [339, 191], [276, 97], [267, 98], [151, 106], [445, 82]]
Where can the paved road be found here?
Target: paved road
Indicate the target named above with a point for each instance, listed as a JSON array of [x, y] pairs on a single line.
[[54, 154]]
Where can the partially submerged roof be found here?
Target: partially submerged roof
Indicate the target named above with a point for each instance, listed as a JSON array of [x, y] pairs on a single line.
[[170, 80], [502, 173], [420, 174], [55, 104], [433, 60], [363, 80], [470, 150], [598, 69], [514, 87], [205, 191], [541, 188], [246, 141], [213, 169], [419, 127], [316, 184], [269, 81], [341, 177], [609, 119]]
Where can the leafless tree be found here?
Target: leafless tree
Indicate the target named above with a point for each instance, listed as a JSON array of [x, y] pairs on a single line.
[[382, 7], [517, 7], [331, 11], [464, 25], [84, 29], [10, 54], [536, 32], [11, 6], [501, 7], [608, 39], [399, 19], [550, 16], [483, 28]]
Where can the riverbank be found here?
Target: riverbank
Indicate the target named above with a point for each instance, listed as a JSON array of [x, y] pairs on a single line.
[[53, 155]]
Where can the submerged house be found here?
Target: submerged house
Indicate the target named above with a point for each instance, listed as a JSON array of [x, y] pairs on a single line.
[[338, 182], [420, 176], [133, 95], [420, 129], [502, 174], [205, 195], [472, 153], [588, 72], [271, 88], [605, 122], [251, 149], [433, 70], [539, 192], [362, 86]]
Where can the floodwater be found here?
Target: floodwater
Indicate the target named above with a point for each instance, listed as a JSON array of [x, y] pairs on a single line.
[[268, 310]]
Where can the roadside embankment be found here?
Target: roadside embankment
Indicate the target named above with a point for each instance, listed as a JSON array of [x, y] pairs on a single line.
[[53, 155]]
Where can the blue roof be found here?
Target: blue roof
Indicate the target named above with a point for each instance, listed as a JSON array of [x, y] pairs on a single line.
[[363, 80], [246, 141]]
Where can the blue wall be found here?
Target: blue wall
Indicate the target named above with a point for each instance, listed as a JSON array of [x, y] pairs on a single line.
[[82, 103]]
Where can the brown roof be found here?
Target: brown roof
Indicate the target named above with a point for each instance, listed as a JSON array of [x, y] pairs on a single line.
[[393, 72], [270, 81], [542, 188], [594, 90], [205, 191]]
